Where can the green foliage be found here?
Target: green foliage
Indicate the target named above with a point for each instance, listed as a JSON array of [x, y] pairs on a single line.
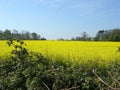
[[108, 35], [8, 34], [32, 71]]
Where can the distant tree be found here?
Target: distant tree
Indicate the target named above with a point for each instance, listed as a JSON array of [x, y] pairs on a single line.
[[114, 35], [34, 36], [1, 33], [39, 37], [24, 35], [99, 35], [72, 38], [61, 39], [78, 38], [43, 38], [15, 34], [108, 35], [7, 34], [27, 35], [84, 36]]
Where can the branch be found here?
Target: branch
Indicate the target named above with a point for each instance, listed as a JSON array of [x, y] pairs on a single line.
[[46, 86], [71, 88], [113, 77], [102, 80]]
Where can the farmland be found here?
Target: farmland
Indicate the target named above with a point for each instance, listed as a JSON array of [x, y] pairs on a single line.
[[72, 51]]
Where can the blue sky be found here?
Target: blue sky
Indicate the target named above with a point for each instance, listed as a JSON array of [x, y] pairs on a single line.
[[60, 18]]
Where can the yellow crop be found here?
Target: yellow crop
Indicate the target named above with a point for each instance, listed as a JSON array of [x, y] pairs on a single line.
[[73, 51]]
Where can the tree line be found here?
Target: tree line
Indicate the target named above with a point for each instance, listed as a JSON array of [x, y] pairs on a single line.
[[102, 35], [25, 35]]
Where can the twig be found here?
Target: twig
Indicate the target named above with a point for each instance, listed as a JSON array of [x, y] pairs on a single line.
[[71, 88], [68, 84], [102, 80], [113, 78], [46, 86]]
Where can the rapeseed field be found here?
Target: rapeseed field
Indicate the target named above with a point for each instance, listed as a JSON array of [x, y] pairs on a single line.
[[71, 51]]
